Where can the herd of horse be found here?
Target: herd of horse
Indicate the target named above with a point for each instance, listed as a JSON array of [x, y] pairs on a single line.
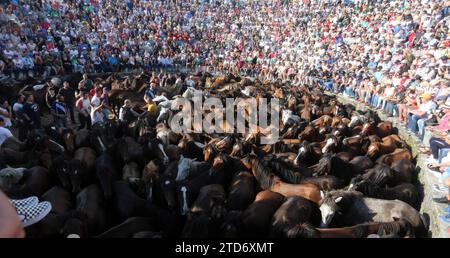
[[336, 172]]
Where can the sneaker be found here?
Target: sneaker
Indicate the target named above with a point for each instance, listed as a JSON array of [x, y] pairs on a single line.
[[442, 199], [440, 188], [32, 214], [33, 200], [445, 218]]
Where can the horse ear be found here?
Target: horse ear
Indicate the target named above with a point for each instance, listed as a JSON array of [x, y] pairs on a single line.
[[338, 199], [350, 187], [322, 194]]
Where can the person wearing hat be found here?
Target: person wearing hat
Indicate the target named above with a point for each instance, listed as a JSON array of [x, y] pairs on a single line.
[[426, 108]]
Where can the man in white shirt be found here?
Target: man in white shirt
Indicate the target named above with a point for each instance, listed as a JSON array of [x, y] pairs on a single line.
[[5, 134]]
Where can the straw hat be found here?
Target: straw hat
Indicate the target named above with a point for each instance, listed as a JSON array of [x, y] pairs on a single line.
[[426, 96]]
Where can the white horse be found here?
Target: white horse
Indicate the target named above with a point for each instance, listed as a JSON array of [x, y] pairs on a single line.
[[192, 94], [287, 114]]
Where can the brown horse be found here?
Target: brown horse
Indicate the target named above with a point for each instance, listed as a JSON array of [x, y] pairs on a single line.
[[386, 146], [322, 121], [397, 155], [256, 218], [384, 129], [294, 211], [305, 113], [309, 134], [269, 181]]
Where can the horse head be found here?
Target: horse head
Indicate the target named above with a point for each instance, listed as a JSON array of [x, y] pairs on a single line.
[[303, 152], [210, 152], [169, 191], [333, 202], [330, 144], [184, 168], [68, 137]]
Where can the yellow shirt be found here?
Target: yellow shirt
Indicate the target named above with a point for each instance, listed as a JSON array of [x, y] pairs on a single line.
[[152, 108]]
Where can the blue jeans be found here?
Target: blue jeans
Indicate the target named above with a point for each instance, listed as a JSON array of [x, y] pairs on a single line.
[[349, 91], [436, 145], [412, 122], [390, 106], [368, 98], [421, 126], [443, 153], [374, 100]]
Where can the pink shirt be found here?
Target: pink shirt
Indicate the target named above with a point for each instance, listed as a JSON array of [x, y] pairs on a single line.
[[444, 125]]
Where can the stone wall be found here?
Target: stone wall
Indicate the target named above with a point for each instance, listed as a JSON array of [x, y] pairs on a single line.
[[428, 207]]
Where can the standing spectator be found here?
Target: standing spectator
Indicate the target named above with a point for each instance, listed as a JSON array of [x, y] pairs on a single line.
[[20, 120], [126, 112], [85, 84], [32, 113], [96, 100], [5, 134], [83, 106], [50, 97], [59, 112], [150, 93], [97, 115], [6, 114], [69, 98], [106, 103]]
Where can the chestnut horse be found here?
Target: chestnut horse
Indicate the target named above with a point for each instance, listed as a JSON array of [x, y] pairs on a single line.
[[269, 181]]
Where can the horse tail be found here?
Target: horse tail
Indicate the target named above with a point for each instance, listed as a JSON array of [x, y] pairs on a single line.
[[304, 230]]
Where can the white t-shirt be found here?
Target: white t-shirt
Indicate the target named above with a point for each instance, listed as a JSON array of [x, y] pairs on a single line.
[[4, 134], [7, 120], [95, 101], [96, 117]]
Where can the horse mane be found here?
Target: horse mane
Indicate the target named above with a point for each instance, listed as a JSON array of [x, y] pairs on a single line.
[[282, 169], [379, 175], [323, 166], [263, 174], [304, 230]]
